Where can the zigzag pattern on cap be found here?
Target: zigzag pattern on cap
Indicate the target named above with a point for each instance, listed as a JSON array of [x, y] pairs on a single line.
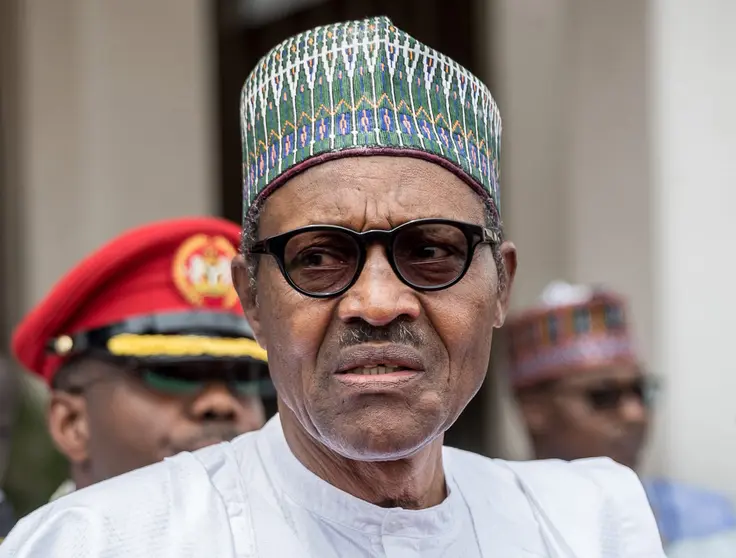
[[364, 85]]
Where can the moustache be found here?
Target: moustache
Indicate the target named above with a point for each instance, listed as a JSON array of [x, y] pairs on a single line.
[[400, 332]]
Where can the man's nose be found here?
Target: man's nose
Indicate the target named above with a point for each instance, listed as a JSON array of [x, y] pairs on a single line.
[[633, 409], [379, 297], [215, 403]]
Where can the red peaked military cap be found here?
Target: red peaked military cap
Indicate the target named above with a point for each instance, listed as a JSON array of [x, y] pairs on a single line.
[[162, 290]]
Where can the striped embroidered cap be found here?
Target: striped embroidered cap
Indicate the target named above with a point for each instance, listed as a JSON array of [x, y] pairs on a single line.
[[575, 329], [364, 88]]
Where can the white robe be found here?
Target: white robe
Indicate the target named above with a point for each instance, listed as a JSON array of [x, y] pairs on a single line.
[[252, 498]]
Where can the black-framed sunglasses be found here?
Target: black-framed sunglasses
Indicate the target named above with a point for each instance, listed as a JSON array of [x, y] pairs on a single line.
[[610, 397], [324, 261]]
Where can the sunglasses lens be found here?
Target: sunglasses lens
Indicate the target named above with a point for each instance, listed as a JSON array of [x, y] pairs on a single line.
[[243, 379], [321, 262], [431, 255], [165, 382], [605, 399], [611, 397]]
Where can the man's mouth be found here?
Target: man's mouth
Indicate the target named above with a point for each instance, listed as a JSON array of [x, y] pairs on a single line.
[[378, 365], [377, 370], [381, 375]]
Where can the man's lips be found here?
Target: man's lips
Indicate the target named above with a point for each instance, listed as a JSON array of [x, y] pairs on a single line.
[[378, 363]]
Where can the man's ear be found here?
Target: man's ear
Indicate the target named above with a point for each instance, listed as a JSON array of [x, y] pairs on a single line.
[[506, 279], [68, 424], [248, 296]]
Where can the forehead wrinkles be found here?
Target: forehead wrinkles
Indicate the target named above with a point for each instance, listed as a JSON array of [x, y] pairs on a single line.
[[369, 190]]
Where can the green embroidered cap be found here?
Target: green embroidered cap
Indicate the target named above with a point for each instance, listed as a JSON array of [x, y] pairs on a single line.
[[364, 88]]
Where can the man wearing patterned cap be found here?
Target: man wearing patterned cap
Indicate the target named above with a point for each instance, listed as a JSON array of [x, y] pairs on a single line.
[[146, 350], [374, 270], [583, 393]]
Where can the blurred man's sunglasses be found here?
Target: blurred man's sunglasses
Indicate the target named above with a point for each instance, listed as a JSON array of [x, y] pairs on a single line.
[[249, 379], [242, 378], [611, 396]]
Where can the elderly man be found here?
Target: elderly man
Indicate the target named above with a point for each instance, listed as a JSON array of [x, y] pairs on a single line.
[[8, 395], [374, 271], [146, 350], [583, 393]]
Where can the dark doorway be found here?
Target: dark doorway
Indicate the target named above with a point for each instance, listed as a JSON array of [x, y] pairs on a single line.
[[243, 39]]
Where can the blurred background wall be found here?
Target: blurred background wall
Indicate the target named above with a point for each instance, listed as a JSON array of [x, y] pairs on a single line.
[[617, 166]]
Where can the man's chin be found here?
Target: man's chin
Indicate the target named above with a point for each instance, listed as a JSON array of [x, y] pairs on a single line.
[[630, 460], [378, 442]]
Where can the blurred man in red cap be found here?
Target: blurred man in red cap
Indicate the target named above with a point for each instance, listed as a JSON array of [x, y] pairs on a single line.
[[146, 350], [583, 393]]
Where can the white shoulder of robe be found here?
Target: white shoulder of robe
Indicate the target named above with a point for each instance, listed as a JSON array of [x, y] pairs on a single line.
[[180, 508], [191, 505], [589, 506]]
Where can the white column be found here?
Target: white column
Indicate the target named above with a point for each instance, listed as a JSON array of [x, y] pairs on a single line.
[[694, 132], [117, 125]]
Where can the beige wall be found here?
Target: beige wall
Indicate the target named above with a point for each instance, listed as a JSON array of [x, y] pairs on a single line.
[[116, 113], [10, 179], [618, 166], [575, 168]]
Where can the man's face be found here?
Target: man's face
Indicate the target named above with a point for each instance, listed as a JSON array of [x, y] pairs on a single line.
[[600, 412], [126, 424], [446, 334]]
